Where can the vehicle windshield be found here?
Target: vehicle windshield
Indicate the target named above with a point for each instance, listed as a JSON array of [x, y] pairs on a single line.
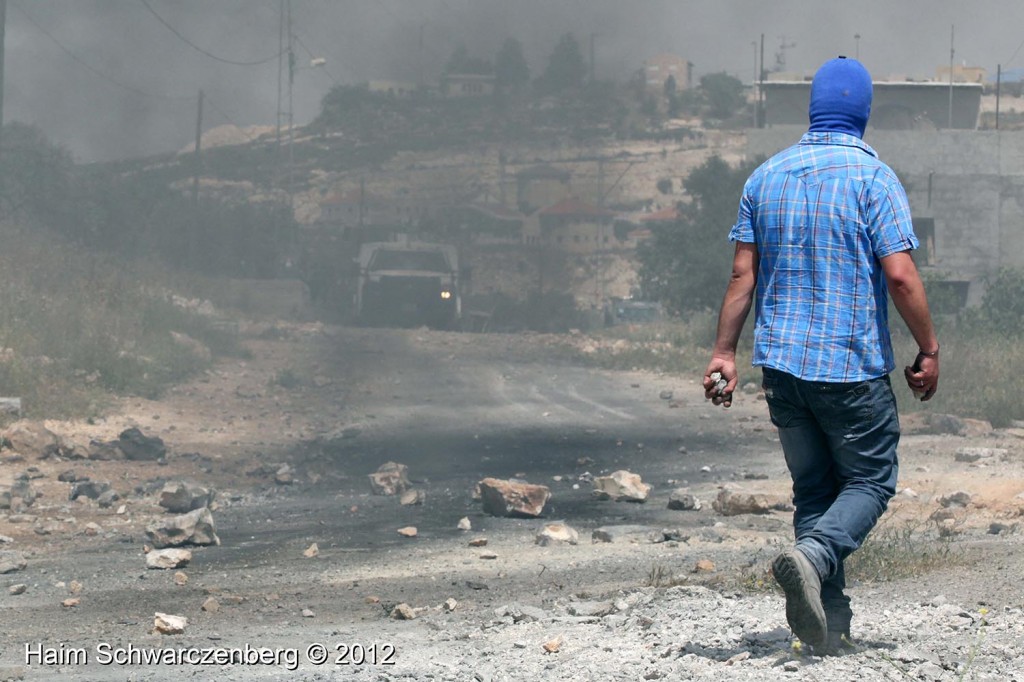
[[393, 259]]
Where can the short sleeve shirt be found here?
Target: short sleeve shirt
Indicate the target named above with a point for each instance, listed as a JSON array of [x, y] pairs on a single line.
[[823, 213]]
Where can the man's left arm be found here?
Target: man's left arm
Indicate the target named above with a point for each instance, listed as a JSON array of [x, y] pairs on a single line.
[[735, 307]]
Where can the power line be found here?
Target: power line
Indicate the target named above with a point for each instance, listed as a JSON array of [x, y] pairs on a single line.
[[322, 67], [199, 49], [92, 68], [1014, 53]]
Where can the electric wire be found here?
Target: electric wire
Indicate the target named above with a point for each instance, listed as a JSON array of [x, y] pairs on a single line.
[[86, 65], [199, 49]]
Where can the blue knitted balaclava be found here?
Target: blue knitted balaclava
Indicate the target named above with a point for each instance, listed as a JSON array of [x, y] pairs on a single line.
[[840, 97]]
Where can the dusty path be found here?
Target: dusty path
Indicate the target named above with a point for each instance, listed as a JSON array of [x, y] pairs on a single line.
[[456, 408]]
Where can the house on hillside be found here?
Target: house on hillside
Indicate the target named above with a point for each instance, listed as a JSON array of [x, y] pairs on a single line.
[[657, 69], [541, 185], [467, 85], [577, 227], [361, 215]]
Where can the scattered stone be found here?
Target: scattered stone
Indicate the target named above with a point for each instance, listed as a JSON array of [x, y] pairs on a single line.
[[211, 605], [909, 492], [181, 497], [312, 551], [622, 533], [552, 646], [285, 475], [17, 589], [591, 609], [104, 451], [478, 542], [194, 528], [138, 447], [107, 499], [87, 488], [93, 528], [403, 612], [488, 557], [682, 500], [665, 395], [408, 531], [465, 524], [704, 566], [557, 534], [71, 602], [450, 604], [412, 497], [521, 613], [976, 454], [960, 498], [734, 503], [946, 424], [621, 486], [168, 558], [180, 579], [996, 528], [308, 613], [511, 498], [167, 624], [74, 587], [750, 388], [31, 438], [390, 479], [67, 476], [11, 561]]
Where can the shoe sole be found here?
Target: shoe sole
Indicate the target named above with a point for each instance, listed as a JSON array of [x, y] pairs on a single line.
[[806, 618]]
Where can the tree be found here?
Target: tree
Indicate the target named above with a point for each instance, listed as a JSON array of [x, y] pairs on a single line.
[[723, 93], [566, 69], [686, 263], [462, 62], [670, 86], [35, 176], [510, 68]]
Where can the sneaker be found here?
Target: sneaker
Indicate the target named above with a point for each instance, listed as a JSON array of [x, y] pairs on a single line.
[[804, 612]]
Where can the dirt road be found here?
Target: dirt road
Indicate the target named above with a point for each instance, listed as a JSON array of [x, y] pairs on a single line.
[[455, 409]]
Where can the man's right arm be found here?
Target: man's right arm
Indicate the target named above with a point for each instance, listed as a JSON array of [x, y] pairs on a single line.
[[907, 291]]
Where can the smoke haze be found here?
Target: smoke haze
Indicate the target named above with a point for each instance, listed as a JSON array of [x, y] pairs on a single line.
[[121, 84]]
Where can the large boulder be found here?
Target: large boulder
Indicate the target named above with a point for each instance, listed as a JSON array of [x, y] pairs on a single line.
[[194, 528], [180, 497], [31, 438], [513, 498], [137, 446], [168, 558], [11, 561], [736, 502], [391, 478], [621, 486]]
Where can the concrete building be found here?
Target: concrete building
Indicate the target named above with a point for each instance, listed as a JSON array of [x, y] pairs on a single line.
[[657, 69], [897, 105], [577, 227], [467, 85]]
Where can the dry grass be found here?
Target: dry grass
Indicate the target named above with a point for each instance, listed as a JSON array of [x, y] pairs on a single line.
[[78, 326]]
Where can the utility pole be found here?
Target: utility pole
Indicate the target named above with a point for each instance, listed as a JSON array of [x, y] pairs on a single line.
[[280, 66], [999, 80], [951, 53], [600, 181], [760, 89], [197, 163], [593, 71], [3, 30], [753, 84], [291, 108]]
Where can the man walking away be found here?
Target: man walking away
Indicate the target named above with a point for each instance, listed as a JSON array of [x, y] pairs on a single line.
[[823, 237]]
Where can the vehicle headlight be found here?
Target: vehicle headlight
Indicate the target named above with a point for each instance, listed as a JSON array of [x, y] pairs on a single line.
[[446, 295]]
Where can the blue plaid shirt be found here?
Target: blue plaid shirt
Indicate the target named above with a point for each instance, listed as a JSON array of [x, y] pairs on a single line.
[[822, 214]]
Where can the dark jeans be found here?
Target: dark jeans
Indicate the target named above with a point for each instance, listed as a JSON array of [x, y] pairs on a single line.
[[840, 441]]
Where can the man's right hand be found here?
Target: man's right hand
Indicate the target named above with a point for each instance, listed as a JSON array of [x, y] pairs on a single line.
[[727, 368], [923, 376]]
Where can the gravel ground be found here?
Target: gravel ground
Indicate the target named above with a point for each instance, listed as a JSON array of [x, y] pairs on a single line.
[[457, 408]]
